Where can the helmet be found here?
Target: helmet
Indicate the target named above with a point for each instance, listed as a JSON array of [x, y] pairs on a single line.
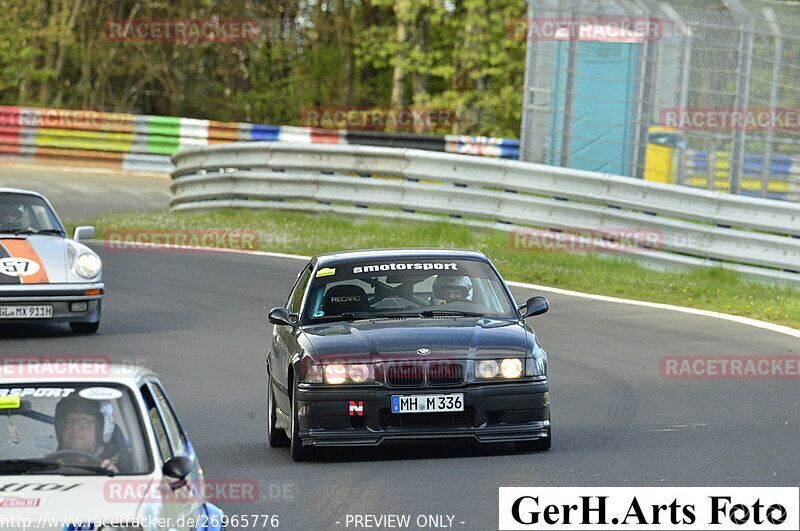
[[11, 214], [449, 289], [102, 413]]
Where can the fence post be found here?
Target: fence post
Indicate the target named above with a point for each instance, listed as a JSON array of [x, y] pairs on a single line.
[[743, 72], [769, 14]]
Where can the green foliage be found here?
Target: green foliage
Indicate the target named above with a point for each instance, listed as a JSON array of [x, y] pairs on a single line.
[[457, 54]]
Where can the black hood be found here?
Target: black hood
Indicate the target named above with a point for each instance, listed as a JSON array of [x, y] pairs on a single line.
[[395, 339]]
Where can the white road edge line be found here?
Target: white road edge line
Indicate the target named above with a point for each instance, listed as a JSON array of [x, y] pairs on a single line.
[[772, 327]]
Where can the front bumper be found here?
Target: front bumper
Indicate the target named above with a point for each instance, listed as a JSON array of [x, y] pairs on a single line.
[[498, 412], [59, 296]]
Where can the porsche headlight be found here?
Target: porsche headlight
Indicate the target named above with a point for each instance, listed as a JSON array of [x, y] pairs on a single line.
[[88, 265]]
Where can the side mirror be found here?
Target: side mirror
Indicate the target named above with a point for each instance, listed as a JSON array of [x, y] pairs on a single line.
[[83, 233], [177, 467], [534, 306], [281, 316]]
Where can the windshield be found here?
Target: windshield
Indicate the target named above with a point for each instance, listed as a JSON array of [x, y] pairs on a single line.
[[364, 289], [26, 213], [74, 429]]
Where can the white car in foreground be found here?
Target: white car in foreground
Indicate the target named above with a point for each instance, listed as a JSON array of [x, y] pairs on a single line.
[[103, 450]]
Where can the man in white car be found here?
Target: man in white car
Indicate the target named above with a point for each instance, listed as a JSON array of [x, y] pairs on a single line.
[[83, 431]]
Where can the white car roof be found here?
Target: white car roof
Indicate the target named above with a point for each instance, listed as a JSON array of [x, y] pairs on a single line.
[[129, 375], [19, 191]]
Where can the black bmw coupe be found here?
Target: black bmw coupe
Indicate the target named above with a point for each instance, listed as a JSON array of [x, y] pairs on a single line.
[[403, 344]]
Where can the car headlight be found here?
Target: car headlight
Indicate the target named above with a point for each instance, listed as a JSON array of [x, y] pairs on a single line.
[[88, 265], [511, 368], [340, 373], [487, 369], [508, 368], [335, 374]]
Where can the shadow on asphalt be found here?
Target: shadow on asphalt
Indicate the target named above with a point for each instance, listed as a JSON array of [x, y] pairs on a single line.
[[33, 331], [399, 451]]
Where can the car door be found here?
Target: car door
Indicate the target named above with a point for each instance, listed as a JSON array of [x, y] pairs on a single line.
[[184, 500], [284, 343]]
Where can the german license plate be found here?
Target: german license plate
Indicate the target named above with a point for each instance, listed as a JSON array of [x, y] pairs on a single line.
[[427, 403], [26, 312]]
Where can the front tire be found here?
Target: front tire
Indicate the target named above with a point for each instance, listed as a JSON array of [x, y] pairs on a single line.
[[298, 451], [276, 437]]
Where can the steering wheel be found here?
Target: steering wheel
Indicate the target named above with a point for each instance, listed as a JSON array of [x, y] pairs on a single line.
[[80, 454]]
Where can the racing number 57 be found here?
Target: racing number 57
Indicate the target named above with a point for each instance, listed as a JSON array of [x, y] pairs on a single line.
[[15, 267]]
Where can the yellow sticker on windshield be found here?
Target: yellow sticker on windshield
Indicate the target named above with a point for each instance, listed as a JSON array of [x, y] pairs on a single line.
[[326, 272], [9, 402]]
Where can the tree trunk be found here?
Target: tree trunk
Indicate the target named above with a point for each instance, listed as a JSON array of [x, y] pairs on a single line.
[[402, 11], [60, 36]]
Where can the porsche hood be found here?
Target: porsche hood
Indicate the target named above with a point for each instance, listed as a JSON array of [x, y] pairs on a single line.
[[39, 259]]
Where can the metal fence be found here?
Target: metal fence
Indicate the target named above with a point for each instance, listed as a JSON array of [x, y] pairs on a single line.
[[706, 93], [756, 237]]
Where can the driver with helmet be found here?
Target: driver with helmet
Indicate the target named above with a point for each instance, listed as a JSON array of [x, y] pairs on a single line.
[[86, 436], [12, 217], [447, 289]]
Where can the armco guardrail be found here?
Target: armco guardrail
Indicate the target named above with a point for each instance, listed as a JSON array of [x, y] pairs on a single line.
[[757, 237], [145, 143]]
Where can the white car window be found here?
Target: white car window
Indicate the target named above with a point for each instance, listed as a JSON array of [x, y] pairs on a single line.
[[80, 424]]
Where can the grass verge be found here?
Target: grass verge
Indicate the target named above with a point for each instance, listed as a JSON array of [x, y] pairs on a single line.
[[714, 289]]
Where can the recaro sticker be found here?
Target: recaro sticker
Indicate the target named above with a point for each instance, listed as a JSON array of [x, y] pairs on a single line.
[[100, 393]]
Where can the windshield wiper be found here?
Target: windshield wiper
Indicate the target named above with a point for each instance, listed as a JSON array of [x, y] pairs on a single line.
[[354, 316], [26, 466], [23, 466], [34, 231], [435, 313]]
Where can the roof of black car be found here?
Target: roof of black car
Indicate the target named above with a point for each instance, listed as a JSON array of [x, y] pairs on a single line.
[[328, 259]]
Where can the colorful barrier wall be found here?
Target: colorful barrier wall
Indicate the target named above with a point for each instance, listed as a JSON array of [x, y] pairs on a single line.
[[145, 143]]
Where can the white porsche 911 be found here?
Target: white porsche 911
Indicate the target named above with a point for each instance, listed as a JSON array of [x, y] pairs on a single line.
[[45, 275]]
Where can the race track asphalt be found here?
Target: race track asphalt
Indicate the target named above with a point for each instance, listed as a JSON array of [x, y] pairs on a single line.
[[79, 194], [198, 319]]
